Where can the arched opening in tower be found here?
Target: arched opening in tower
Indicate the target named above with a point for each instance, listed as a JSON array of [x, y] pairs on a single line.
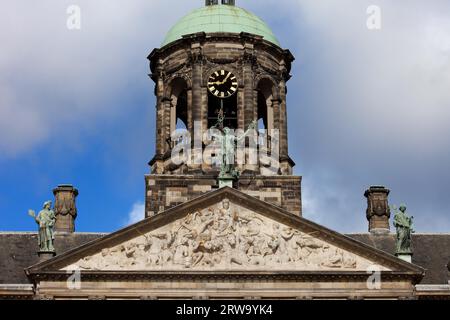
[[226, 107], [178, 112], [262, 111], [181, 111], [265, 112]]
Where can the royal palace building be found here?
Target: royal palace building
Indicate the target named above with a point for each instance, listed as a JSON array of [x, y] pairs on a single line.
[[216, 227]]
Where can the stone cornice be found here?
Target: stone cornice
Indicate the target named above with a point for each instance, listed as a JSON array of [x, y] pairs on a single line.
[[299, 276], [188, 40]]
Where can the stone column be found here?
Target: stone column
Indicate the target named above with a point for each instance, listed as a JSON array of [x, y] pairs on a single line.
[[378, 212], [160, 105], [276, 113], [166, 134], [197, 105], [283, 121], [65, 208], [240, 107], [276, 118], [249, 112], [249, 92], [190, 121], [157, 163]]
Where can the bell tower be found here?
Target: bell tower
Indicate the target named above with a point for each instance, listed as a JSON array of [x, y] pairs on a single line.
[[220, 67]]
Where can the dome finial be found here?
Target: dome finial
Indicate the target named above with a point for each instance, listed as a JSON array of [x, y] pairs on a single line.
[[216, 2], [229, 2]]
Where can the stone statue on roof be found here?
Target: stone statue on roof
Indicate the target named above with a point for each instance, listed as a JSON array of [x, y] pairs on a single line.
[[46, 220], [227, 141], [403, 224]]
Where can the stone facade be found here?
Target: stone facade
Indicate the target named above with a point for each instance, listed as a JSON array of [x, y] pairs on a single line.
[[180, 71], [166, 191], [199, 241], [225, 244], [185, 65], [225, 286]]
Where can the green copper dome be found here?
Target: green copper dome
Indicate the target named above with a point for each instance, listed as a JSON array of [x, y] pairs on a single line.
[[220, 18]]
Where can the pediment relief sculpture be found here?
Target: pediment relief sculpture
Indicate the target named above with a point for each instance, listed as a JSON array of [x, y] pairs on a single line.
[[224, 236]]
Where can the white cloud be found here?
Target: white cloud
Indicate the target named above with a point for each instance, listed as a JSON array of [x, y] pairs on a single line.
[[367, 107], [373, 107], [53, 79], [136, 214]]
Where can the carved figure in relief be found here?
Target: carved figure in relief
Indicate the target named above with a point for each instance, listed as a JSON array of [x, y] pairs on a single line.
[[339, 260], [222, 236], [182, 254], [255, 252], [159, 248]]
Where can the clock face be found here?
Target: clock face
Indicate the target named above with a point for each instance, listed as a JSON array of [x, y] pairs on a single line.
[[222, 84]]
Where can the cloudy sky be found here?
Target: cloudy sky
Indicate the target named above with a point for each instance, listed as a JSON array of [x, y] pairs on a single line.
[[370, 107]]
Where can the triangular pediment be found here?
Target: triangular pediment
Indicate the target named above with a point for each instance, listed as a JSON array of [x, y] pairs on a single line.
[[225, 230]]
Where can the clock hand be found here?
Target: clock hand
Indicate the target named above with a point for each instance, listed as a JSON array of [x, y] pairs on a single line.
[[226, 78]]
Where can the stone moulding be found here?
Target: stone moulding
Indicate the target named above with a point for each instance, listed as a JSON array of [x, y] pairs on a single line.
[[186, 42], [297, 276]]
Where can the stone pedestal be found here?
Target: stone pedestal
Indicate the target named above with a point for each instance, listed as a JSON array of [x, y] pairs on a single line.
[[405, 257], [226, 182], [45, 255]]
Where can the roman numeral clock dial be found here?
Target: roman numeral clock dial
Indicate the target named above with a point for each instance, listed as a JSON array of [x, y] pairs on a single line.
[[222, 84]]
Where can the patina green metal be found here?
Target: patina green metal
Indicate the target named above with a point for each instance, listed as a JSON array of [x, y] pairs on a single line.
[[46, 220], [404, 226], [227, 141], [220, 18]]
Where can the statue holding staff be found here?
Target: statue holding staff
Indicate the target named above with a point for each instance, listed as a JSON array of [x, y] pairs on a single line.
[[46, 220]]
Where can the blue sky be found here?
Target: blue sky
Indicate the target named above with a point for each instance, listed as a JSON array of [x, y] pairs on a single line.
[[364, 107]]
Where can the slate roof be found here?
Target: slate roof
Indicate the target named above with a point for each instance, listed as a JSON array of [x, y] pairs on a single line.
[[18, 251], [399, 267], [431, 252]]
